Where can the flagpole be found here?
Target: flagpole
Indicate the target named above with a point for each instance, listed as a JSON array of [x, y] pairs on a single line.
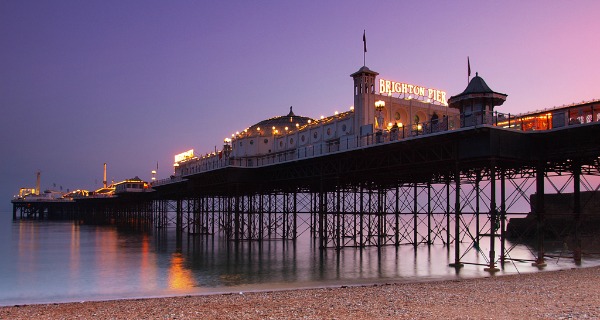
[[468, 70], [365, 48]]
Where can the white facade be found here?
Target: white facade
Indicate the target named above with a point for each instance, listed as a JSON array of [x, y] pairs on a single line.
[[291, 137]]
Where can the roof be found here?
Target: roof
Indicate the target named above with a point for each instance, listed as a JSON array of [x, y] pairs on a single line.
[[477, 88], [136, 179], [288, 119], [280, 122], [477, 85], [364, 69]]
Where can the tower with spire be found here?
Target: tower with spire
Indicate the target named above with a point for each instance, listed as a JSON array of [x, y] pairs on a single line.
[[364, 100]]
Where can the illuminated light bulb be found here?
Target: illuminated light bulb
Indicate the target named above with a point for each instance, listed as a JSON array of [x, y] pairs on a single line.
[[309, 121], [400, 125], [273, 127], [322, 117], [297, 125], [286, 128], [351, 107], [336, 113], [237, 132], [390, 124], [258, 129]]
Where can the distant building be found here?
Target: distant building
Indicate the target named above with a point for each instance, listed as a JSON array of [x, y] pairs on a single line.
[[131, 185]]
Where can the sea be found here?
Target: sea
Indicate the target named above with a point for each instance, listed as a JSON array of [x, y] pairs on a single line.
[[53, 262]]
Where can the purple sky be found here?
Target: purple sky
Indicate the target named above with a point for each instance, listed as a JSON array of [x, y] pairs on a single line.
[[131, 83]]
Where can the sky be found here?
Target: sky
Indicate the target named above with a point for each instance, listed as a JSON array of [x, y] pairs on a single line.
[[132, 83]]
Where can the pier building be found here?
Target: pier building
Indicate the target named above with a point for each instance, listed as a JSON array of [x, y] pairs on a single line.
[[387, 109]]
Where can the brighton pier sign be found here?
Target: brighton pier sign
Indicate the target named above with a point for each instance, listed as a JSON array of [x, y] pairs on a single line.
[[389, 87]]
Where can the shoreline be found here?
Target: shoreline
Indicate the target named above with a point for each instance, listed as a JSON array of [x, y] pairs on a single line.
[[567, 293]]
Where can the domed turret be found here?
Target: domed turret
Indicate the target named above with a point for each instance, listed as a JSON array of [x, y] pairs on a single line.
[[290, 120], [476, 104]]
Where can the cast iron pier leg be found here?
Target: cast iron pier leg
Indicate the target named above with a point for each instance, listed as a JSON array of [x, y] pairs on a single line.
[[493, 221], [502, 217], [540, 214], [577, 210], [457, 263]]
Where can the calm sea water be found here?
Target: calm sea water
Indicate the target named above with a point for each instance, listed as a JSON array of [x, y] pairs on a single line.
[[61, 261]]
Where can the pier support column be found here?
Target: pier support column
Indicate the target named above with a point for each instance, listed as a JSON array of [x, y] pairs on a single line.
[[295, 222], [477, 208], [429, 242], [338, 220], [457, 263], [361, 216], [415, 214], [448, 213], [237, 218], [540, 214], [493, 221], [577, 210], [314, 210], [502, 217], [179, 223], [322, 217], [381, 217], [397, 216]]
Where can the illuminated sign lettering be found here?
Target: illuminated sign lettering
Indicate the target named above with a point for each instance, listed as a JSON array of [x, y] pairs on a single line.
[[184, 156], [389, 87]]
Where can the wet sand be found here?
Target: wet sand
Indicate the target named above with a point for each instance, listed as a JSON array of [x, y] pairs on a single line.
[[566, 294]]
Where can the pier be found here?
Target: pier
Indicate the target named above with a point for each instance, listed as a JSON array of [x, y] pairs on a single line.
[[442, 180]]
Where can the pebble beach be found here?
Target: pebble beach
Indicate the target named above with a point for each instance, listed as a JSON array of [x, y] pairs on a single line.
[[564, 294]]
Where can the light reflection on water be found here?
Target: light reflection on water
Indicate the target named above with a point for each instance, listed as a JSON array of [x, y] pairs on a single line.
[[62, 261]]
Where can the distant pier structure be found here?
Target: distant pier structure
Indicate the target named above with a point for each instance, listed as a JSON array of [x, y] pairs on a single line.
[[405, 166]]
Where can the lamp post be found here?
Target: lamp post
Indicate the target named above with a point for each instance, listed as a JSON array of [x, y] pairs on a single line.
[[227, 148], [379, 105]]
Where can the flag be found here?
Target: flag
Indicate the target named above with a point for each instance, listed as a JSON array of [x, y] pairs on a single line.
[[468, 67], [365, 40]]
